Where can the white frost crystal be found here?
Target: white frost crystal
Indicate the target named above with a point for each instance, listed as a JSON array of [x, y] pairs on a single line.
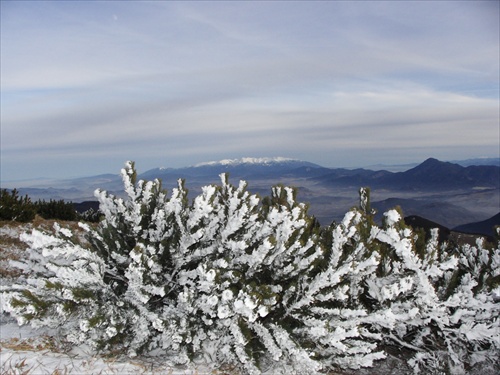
[[392, 217]]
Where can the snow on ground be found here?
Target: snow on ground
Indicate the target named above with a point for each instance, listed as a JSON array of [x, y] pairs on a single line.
[[24, 350]]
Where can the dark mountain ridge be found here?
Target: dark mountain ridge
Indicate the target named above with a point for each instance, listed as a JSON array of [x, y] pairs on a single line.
[[419, 222], [430, 175], [439, 211], [455, 235], [433, 173], [485, 227]]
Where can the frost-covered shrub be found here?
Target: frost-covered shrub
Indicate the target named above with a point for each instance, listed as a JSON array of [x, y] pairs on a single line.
[[111, 293], [90, 216], [206, 278], [238, 259], [257, 283], [465, 322], [441, 306]]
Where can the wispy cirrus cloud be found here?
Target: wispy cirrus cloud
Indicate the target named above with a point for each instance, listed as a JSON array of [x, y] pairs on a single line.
[[338, 83]]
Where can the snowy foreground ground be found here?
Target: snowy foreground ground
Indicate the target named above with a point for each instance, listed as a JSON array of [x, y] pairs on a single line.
[[27, 351], [24, 350]]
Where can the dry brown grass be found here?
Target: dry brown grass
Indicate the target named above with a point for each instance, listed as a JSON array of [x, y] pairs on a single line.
[[21, 367], [16, 368], [35, 344], [11, 247]]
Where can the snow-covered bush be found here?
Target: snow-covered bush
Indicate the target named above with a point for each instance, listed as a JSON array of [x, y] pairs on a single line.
[[451, 318], [240, 258], [236, 279]]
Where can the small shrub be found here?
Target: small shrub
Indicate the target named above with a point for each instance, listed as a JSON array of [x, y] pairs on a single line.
[[16, 208]]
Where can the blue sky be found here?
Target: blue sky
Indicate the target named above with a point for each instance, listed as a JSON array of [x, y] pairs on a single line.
[[87, 85]]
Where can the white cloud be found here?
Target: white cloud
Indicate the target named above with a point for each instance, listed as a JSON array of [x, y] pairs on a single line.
[[194, 80]]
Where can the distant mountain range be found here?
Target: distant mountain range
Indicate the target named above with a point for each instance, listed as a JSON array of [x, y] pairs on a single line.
[[245, 168], [447, 193], [432, 174], [478, 161]]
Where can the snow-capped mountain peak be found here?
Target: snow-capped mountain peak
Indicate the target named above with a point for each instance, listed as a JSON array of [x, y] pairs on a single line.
[[247, 160]]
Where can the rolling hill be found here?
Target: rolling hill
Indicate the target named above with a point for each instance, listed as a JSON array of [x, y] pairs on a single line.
[[481, 227]]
